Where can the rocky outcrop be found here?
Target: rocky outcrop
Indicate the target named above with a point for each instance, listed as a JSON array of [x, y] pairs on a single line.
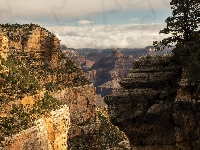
[[82, 103], [155, 109], [111, 67], [36, 78], [3, 45], [31, 39], [49, 133], [110, 87], [38, 70]]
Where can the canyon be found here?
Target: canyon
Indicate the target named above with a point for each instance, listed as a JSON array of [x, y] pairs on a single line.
[[45, 100], [104, 68]]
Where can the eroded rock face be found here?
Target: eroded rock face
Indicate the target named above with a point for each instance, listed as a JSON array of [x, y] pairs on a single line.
[[150, 110], [49, 133], [82, 103], [3, 45], [57, 77], [38, 50], [115, 64], [31, 39], [81, 61]]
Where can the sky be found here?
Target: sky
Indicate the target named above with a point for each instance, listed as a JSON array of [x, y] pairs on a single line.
[[93, 23]]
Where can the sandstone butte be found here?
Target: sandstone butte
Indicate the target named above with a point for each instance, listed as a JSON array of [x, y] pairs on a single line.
[[76, 124], [157, 109]]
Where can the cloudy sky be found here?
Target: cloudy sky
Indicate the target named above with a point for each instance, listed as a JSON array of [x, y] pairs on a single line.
[[93, 23]]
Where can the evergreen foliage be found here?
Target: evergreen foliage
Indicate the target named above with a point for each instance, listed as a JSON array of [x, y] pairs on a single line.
[[107, 137], [183, 25]]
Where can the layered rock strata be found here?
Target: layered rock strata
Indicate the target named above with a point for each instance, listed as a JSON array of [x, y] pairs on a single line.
[[153, 109], [110, 87], [111, 67]]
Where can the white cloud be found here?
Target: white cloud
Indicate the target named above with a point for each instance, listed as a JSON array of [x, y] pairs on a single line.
[[133, 19], [126, 36], [84, 21], [48, 12]]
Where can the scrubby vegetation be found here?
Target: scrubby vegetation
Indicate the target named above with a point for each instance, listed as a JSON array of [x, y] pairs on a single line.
[[22, 117], [20, 78], [16, 81], [63, 74], [22, 75], [107, 137]]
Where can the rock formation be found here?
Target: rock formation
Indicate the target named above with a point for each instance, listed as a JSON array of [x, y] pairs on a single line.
[[82, 103], [49, 133], [32, 65], [110, 87], [156, 108], [31, 39], [37, 81], [111, 67], [104, 65]]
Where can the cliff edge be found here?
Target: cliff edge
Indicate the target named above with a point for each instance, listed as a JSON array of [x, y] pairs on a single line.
[[156, 108], [45, 100]]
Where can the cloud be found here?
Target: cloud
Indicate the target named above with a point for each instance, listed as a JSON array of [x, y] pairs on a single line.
[[133, 19], [66, 10], [125, 36], [84, 21]]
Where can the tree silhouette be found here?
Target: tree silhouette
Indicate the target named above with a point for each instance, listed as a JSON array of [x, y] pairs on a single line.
[[183, 26]]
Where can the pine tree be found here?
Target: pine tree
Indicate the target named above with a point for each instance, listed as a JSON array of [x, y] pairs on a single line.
[[183, 26]]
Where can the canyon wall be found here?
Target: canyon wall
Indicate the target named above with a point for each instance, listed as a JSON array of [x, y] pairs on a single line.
[[156, 108], [31, 39], [32, 54], [110, 68], [36, 78], [82, 104], [49, 133], [107, 65]]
